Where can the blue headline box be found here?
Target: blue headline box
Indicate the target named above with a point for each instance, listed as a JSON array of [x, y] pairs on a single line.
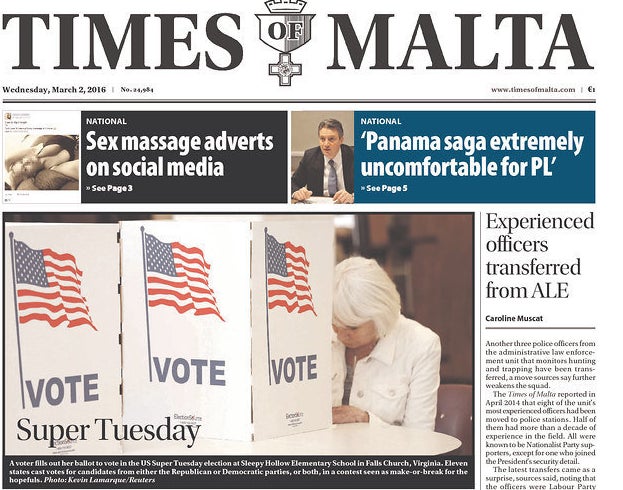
[[475, 157]]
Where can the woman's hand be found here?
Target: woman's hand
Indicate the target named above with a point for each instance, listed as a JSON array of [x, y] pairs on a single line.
[[347, 414]]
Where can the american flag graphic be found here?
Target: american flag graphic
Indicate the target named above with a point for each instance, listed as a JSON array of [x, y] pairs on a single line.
[[48, 286], [177, 276], [287, 276]]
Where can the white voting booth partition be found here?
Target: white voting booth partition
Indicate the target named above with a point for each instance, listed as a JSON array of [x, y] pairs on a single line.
[[186, 325], [291, 283], [62, 352], [226, 326]]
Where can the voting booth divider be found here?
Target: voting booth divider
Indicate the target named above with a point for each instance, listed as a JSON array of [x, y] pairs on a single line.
[[180, 329], [291, 339], [61, 337]]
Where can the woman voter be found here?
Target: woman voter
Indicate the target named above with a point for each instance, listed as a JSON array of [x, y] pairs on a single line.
[[385, 366]]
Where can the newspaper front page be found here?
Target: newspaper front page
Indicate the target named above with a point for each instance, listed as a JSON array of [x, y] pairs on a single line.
[[181, 179]]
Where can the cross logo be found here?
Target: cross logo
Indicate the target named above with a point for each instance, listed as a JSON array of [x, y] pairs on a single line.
[[285, 69]]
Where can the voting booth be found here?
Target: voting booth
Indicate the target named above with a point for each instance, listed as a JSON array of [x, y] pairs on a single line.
[[165, 331], [292, 282], [61, 332], [226, 325]]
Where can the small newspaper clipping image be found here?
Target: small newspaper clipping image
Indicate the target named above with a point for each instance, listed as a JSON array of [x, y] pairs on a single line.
[[310, 244]]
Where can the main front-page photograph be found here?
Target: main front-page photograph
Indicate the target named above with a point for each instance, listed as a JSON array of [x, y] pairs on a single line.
[[233, 335]]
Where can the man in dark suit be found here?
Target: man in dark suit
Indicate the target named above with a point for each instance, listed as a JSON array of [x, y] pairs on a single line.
[[327, 169]]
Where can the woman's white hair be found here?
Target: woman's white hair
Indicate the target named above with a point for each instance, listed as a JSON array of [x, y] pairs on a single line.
[[362, 291]]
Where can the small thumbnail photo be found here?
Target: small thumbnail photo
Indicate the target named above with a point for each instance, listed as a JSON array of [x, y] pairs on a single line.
[[41, 162]]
